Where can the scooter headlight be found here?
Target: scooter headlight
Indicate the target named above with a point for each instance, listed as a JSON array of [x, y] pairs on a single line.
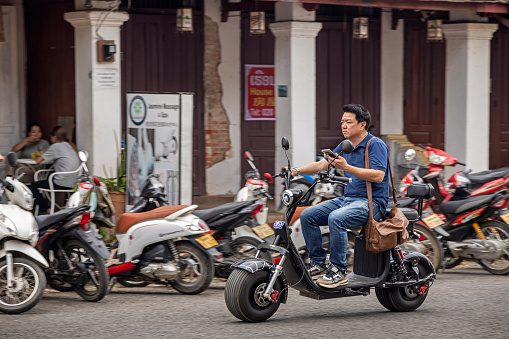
[[287, 197]]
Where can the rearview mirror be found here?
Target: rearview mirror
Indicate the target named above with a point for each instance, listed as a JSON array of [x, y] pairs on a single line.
[[12, 159], [410, 154], [248, 156], [83, 156], [346, 146], [285, 144]]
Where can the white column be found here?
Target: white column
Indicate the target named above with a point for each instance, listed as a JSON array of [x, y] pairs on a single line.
[[467, 109], [295, 68], [98, 103], [391, 113]]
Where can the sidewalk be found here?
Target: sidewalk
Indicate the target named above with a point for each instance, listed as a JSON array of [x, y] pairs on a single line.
[[211, 201]]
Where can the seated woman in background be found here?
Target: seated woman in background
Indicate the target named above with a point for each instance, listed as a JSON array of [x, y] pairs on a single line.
[[64, 158], [26, 149]]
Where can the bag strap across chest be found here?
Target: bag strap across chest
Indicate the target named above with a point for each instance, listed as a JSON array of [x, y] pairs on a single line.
[[368, 183]]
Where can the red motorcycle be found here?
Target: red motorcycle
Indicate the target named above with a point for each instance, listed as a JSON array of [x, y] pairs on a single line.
[[460, 185]]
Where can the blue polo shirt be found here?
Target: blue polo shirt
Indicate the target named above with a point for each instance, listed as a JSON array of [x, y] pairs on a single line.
[[377, 160]]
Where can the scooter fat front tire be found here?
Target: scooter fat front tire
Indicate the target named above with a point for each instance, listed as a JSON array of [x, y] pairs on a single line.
[[243, 295], [28, 288], [189, 282], [402, 299]]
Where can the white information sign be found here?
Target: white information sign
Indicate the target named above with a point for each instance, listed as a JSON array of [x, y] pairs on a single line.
[[105, 78], [153, 144]]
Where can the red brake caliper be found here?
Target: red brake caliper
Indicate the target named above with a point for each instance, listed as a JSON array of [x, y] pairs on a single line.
[[423, 289], [273, 296]]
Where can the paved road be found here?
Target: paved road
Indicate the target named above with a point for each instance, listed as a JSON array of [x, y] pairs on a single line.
[[463, 303]]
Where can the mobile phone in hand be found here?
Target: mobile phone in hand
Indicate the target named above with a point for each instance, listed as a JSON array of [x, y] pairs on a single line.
[[328, 152]]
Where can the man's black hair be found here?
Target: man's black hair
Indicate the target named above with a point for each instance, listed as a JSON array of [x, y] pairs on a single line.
[[361, 113]]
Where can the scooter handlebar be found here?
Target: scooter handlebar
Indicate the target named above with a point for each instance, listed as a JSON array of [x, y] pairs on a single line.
[[340, 179], [460, 163]]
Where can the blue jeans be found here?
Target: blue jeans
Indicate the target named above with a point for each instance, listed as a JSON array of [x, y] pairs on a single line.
[[340, 214]]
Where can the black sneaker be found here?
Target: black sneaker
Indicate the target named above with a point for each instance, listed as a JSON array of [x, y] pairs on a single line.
[[333, 278], [317, 271]]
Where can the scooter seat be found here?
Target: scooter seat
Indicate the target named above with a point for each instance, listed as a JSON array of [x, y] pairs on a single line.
[[402, 202], [459, 206], [211, 214], [487, 176], [126, 220], [409, 213]]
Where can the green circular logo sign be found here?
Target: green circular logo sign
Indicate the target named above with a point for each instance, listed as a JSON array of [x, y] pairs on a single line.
[[137, 110]]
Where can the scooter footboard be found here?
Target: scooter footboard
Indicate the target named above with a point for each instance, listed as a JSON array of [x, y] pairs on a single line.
[[369, 264]]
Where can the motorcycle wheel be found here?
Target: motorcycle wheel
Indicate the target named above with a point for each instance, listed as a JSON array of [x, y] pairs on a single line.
[[243, 295], [92, 283], [451, 262], [433, 247], [402, 299], [29, 285], [59, 285], [196, 278], [496, 230]]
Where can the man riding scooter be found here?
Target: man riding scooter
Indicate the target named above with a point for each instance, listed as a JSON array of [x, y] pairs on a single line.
[[352, 209]]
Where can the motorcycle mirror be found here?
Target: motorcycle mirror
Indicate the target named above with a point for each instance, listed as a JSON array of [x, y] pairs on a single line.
[[268, 176], [346, 146], [12, 159], [410, 154], [83, 156], [285, 143], [248, 156]]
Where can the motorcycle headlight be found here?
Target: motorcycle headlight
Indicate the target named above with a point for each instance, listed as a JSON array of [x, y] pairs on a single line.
[[287, 197], [7, 224]]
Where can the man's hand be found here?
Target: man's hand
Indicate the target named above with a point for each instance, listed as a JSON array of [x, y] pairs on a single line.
[[340, 162]]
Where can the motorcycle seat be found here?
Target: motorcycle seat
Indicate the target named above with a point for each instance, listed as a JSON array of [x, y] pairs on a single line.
[[459, 206], [126, 220], [487, 176], [211, 214], [44, 221]]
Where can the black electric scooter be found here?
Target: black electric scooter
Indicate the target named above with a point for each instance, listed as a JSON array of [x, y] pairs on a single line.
[[401, 279]]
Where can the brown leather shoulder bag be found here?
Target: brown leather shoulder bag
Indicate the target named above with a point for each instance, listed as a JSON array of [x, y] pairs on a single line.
[[384, 235]]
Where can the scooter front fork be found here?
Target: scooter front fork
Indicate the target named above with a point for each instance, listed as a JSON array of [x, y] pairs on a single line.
[[277, 271]]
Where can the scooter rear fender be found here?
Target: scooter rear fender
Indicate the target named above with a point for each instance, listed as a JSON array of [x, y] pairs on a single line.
[[415, 257], [24, 249], [253, 265]]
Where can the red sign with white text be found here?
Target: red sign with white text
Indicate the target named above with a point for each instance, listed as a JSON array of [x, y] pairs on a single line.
[[260, 93]]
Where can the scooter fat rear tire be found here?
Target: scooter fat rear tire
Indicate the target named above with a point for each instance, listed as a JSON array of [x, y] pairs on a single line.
[[401, 299], [243, 295]]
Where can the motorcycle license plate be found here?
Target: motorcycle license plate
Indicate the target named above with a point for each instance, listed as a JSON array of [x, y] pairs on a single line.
[[433, 221], [207, 241], [505, 217], [263, 231]]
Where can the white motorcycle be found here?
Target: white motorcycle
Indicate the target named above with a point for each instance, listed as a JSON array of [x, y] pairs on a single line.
[[22, 280], [256, 188], [165, 245]]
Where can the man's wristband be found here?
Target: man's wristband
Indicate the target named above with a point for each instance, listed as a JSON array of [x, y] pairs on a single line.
[[298, 170]]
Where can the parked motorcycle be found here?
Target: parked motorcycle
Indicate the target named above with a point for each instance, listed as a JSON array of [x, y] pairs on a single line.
[[233, 225], [22, 279], [256, 287], [166, 245], [75, 252], [468, 231], [255, 188]]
